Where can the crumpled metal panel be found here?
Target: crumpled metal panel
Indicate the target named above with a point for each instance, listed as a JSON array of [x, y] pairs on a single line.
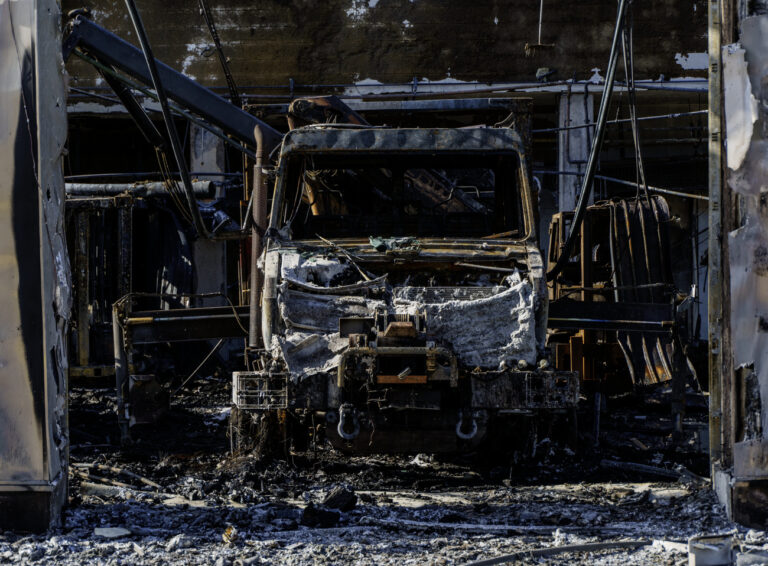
[[748, 245], [749, 301], [34, 270]]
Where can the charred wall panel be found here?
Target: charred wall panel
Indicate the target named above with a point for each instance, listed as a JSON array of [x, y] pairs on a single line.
[[744, 369], [34, 276]]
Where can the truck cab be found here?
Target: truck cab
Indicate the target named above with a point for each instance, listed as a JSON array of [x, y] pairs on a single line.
[[404, 304]]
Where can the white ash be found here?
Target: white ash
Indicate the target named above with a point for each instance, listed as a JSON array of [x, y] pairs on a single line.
[[321, 313], [311, 343], [485, 326], [395, 527], [321, 271], [308, 354], [486, 331]]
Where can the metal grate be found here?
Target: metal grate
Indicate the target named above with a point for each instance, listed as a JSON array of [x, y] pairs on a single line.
[[257, 391]]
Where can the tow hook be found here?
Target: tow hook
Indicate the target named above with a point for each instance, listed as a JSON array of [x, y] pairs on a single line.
[[349, 426], [466, 428]]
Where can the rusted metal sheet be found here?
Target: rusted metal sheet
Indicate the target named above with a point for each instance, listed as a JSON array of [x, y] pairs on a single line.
[[34, 270]]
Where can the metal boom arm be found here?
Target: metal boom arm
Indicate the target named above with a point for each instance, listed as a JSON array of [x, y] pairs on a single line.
[[118, 53]]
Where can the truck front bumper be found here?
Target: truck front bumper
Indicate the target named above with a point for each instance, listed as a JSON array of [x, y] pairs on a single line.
[[524, 390]]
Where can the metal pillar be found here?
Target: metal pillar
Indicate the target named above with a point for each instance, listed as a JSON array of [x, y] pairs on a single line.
[[573, 145], [207, 154], [83, 288], [715, 265]]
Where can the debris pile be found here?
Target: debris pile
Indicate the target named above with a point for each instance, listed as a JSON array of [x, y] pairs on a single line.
[[175, 497]]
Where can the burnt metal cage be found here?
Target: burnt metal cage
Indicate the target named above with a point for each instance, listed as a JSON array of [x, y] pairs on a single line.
[[257, 391]]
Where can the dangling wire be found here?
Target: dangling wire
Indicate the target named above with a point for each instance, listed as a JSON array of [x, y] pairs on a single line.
[[172, 186], [597, 141], [629, 71], [173, 135]]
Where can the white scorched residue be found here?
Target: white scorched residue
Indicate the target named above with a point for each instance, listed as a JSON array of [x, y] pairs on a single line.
[[487, 331], [483, 329], [311, 343]]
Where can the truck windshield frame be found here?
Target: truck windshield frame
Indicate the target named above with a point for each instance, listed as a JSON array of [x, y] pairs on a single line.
[[441, 194]]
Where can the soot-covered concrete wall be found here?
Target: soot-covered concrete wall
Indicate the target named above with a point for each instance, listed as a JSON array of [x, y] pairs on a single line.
[[347, 41]]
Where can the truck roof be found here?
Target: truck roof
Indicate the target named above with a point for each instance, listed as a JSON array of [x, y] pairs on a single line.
[[330, 138]]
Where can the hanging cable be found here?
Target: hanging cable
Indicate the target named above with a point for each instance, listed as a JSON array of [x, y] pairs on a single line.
[[624, 120], [233, 93], [173, 135], [629, 72], [597, 141]]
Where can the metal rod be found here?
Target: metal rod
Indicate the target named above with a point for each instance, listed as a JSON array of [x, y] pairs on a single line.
[[94, 95], [541, 17], [622, 121], [121, 369], [485, 267], [555, 86], [317, 87], [519, 556], [173, 135], [623, 182], [143, 175], [137, 112], [199, 366], [234, 96], [259, 215], [157, 188], [586, 185], [174, 107], [715, 255]]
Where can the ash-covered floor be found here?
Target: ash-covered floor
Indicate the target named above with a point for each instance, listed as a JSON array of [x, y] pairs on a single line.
[[186, 501]]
